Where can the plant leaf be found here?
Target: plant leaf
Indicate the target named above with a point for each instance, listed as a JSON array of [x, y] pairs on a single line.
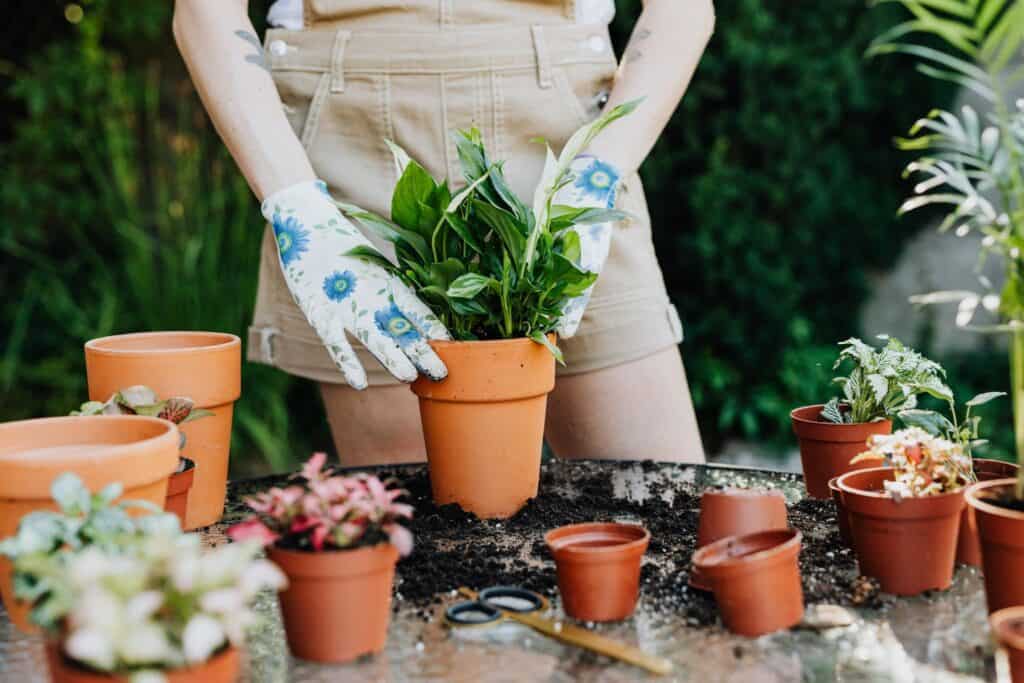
[[982, 399]]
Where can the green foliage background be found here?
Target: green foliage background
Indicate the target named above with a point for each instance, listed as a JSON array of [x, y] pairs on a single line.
[[773, 195]]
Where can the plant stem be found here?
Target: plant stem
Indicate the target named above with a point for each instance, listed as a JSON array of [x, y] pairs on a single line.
[[1017, 391]]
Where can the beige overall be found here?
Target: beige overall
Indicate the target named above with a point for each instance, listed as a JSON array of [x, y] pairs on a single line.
[[363, 71]]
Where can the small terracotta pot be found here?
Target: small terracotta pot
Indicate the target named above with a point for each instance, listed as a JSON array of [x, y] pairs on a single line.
[[826, 449], [968, 549], [222, 668], [598, 566], [1008, 628], [909, 545], [338, 603], [139, 452], [756, 580], [842, 518], [204, 366], [736, 512], [484, 424], [1001, 532], [177, 491]]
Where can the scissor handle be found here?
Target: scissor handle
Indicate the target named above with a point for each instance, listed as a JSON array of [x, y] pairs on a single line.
[[457, 614], [489, 597]]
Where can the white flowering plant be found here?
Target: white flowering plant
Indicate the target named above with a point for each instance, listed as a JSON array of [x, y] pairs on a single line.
[[924, 464]]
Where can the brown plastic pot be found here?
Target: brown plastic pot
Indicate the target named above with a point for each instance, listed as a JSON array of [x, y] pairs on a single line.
[[1001, 533], [842, 518], [221, 668], [338, 603], [826, 448], [204, 366], [756, 580], [1008, 628], [177, 491], [139, 452], [598, 566], [736, 512], [909, 545], [968, 549], [484, 424]]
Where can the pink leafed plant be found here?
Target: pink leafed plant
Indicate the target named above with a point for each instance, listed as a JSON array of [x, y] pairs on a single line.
[[326, 512]]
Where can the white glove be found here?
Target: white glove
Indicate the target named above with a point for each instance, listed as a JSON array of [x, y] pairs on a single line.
[[339, 293], [594, 185]]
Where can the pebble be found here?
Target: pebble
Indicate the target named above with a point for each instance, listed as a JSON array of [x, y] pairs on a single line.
[[820, 617]]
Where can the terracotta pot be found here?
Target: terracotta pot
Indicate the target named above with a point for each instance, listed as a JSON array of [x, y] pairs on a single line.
[[756, 580], [222, 668], [204, 366], [484, 424], [598, 566], [826, 449], [842, 518], [177, 491], [968, 549], [139, 452], [736, 512], [1008, 628], [1001, 532], [337, 603], [908, 545]]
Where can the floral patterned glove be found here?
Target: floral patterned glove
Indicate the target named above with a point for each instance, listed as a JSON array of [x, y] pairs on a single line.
[[339, 293], [595, 184]]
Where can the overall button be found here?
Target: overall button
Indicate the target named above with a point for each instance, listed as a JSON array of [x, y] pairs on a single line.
[[596, 44], [278, 48]]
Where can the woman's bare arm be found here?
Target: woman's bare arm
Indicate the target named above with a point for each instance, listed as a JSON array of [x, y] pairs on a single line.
[[659, 61], [225, 59]]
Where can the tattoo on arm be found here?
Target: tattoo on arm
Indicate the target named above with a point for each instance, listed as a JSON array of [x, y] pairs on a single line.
[[257, 58], [633, 52]]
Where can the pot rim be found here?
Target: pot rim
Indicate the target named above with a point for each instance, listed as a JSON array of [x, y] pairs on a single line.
[[597, 553], [732, 563], [805, 421], [229, 651], [846, 489], [324, 564], [512, 341], [1000, 622], [974, 500], [742, 493], [101, 345]]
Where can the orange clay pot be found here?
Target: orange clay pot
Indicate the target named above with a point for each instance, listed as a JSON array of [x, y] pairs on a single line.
[[1001, 533], [338, 603], [908, 545], [222, 668], [177, 491], [756, 579], [826, 449], [204, 366], [484, 424], [140, 452], [598, 568], [968, 549], [842, 517], [736, 512], [1008, 628]]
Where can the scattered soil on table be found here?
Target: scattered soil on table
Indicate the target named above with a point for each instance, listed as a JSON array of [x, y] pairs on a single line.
[[455, 548]]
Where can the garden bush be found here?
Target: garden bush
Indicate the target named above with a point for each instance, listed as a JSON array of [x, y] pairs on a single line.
[[773, 195]]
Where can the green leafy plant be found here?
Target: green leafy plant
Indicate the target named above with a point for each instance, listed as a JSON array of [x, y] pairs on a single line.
[[488, 265], [882, 382], [965, 432], [971, 162]]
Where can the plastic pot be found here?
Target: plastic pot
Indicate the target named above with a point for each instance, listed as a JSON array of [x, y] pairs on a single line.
[[736, 512], [909, 544], [826, 448], [338, 603], [842, 518], [1008, 628], [221, 668], [204, 366], [968, 549], [484, 424], [177, 490], [140, 452], [756, 580], [598, 566], [1001, 533]]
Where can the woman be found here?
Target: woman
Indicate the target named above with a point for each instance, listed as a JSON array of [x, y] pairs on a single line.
[[335, 79]]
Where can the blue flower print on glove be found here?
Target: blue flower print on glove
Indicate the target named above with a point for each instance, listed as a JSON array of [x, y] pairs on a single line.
[[292, 239], [339, 285], [597, 183], [394, 324]]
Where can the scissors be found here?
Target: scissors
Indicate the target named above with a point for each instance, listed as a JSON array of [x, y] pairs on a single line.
[[493, 606]]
